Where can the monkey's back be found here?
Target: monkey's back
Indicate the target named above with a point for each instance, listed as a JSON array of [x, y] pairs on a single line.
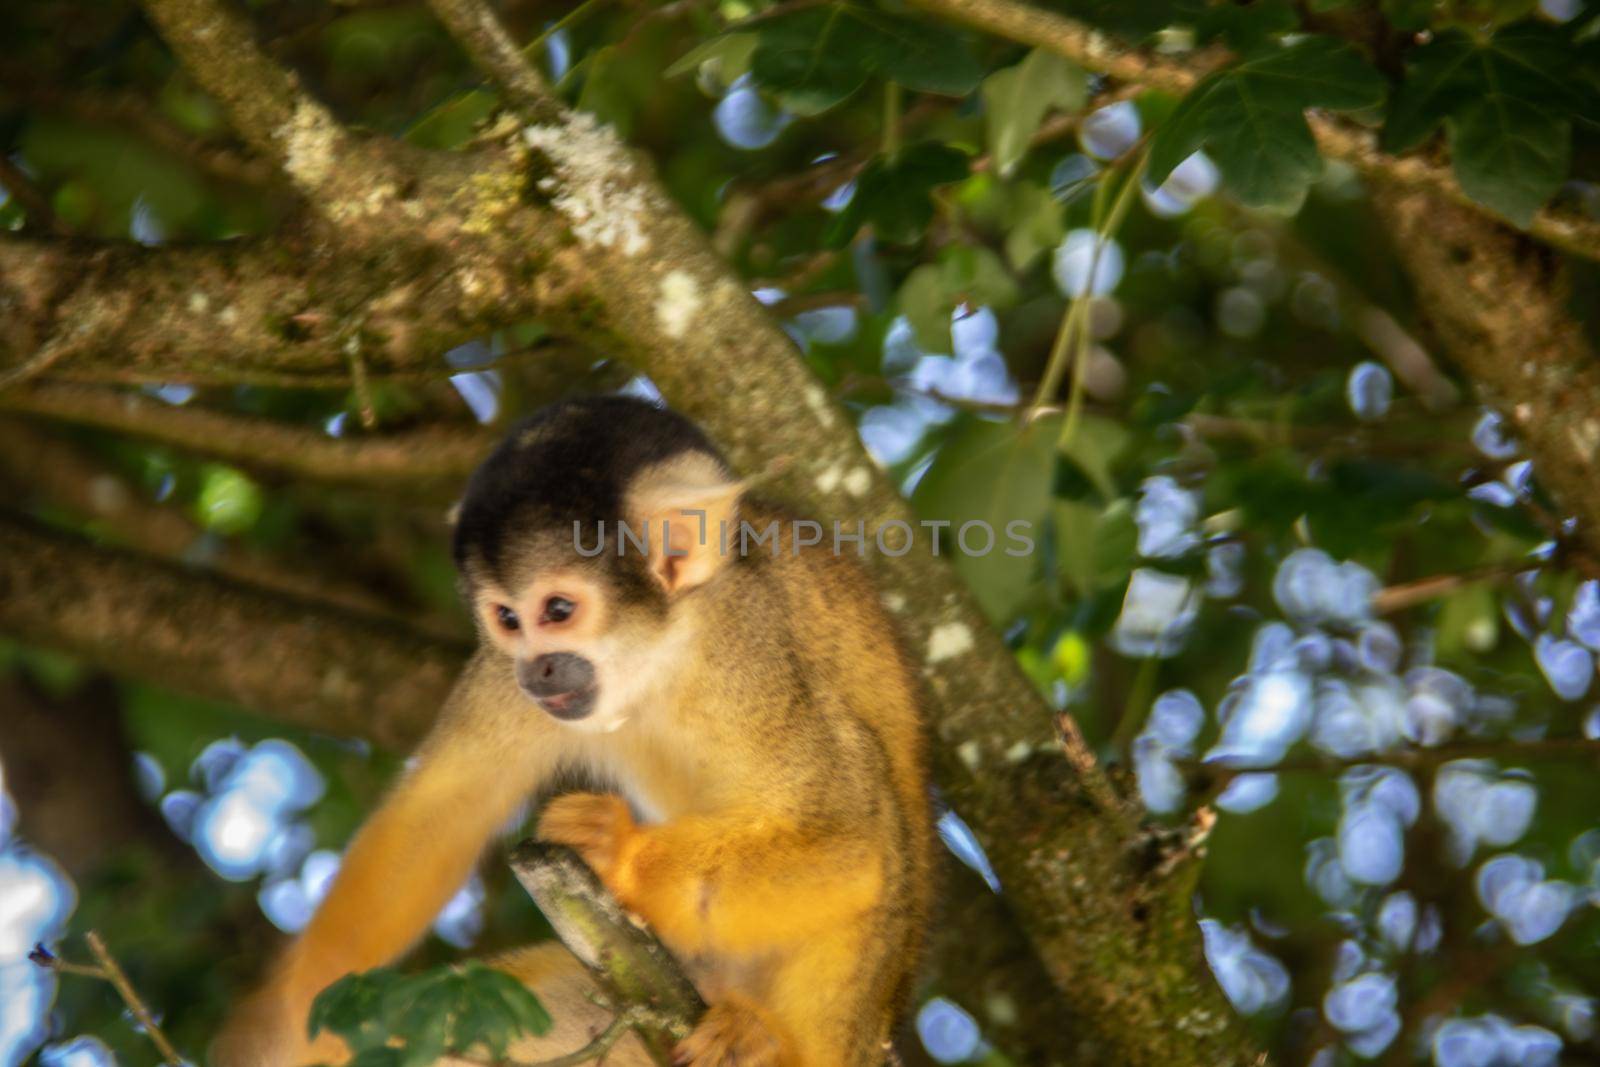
[[853, 650]]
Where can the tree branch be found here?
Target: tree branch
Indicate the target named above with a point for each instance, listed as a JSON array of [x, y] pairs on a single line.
[[276, 312], [421, 459], [66, 477], [318, 667], [633, 968], [1498, 305], [408, 457], [1336, 138], [263, 100], [492, 51]]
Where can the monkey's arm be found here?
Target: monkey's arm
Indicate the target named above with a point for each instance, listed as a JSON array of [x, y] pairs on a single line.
[[486, 755], [730, 882]]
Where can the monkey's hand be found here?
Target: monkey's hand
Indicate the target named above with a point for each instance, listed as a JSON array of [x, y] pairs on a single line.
[[599, 826]]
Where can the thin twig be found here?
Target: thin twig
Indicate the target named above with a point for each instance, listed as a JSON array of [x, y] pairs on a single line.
[[45, 958], [361, 384], [130, 997], [596, 1048], [1090, 774], [49, 354], [1395, 598], [110, 971], [485, 40]]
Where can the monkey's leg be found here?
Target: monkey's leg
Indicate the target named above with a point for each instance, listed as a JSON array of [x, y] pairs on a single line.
[[484, 758]]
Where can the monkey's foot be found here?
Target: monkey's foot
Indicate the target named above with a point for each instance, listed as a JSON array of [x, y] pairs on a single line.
[[595, 824], [732, 1034]]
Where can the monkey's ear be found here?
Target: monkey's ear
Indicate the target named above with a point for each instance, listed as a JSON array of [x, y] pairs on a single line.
[[690, 510]]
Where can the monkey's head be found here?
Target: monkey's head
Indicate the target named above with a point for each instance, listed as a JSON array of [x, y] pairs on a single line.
[[580, 539]]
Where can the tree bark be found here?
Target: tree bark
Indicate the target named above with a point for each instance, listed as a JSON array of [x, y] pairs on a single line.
[[630, 964], [315, 666], [1498, 305]]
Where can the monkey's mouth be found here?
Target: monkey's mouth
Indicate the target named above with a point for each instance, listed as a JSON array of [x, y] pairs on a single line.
[[568, 706]]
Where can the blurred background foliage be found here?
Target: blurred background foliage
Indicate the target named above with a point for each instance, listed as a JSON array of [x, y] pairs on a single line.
[[1285, 566]]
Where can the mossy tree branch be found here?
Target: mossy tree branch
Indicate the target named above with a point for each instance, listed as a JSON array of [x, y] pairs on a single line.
[[278, 311], [1498, 305], [633, 968], [411, 458], [314, 665]]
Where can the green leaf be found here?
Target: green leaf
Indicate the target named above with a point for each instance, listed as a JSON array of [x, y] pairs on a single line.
[[815, 57], [1094, 548], [352, 1009], [1508, 102], [1510, 155], [1017, 99], [1034, 223], [964, 275], [893, 194], [1452, 72], [1094, 447], [452, 1009], [1246, 27], [923, 302], [1251, 118], [975, 275], [453, 122], [731, 52], [994, 473]]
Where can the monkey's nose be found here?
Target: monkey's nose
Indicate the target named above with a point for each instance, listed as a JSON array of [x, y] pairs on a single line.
[[562, 683]]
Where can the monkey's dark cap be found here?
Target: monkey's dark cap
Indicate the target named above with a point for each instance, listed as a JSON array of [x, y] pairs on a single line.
[[571, 461]]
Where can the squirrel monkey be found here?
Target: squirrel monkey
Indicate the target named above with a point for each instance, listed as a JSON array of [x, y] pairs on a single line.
[[746, 718]]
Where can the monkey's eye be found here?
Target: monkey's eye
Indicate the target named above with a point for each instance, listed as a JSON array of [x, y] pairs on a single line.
[[507, 618], [558, 609]]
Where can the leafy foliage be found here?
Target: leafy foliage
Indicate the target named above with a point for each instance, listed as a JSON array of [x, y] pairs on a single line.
[[1016, 99], [892, 193], [1251, 118], [397, 1020], [1508, 102], [814, 58]]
